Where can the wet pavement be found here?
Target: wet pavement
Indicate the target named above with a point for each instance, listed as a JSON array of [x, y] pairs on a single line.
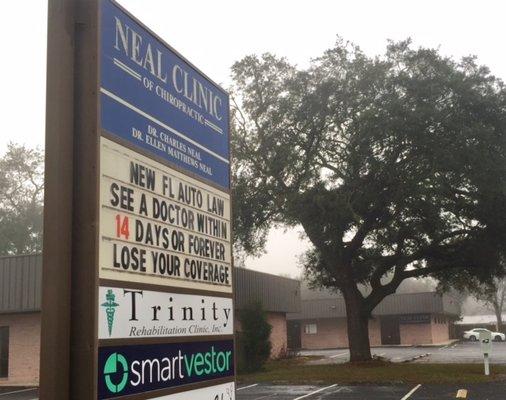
[[11, 393], [461, 352], [489, 391]]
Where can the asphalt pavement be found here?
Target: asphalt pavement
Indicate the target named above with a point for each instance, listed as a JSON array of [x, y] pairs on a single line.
[[464, 353], [10, 393], [489, 391], [460, 352]]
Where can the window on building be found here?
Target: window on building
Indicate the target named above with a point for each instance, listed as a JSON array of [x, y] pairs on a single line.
[[4, 351], [310, 329]]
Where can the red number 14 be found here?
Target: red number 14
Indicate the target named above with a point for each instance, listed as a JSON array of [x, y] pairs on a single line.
[[122, 227]]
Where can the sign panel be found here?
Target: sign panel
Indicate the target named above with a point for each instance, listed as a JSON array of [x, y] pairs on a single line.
[[159, 226], [486, 341], [133, 313], [415, 319], [152, 98], [126, 370], [164, 220], [225, 391]]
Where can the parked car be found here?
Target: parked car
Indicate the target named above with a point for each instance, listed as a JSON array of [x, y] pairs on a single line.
[[474, 335]]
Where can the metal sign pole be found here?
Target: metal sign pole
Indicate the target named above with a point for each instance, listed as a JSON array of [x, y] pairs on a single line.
[[68, 337]]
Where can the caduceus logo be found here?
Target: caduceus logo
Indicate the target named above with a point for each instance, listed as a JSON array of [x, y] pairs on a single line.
[[110, 308]]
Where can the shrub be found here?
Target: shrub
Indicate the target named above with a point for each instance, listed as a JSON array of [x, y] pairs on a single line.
[[254, 340]]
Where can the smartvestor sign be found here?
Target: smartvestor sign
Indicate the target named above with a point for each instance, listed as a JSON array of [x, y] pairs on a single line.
[[125, 370], [154, 99], [134, 313], [225, 391], [159, 226]]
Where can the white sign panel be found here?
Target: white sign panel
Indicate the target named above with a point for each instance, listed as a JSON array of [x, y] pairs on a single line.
[[486, 341], [159, 226], [225, 391], [134, 313]]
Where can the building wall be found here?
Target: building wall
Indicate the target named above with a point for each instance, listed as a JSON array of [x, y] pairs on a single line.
[[279, 336], [333, 332], [414, 334], [24, 348], [330, 333], [375, 331], [440, 330]]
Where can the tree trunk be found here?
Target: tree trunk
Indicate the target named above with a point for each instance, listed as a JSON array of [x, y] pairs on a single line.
[[358, 328], [498, 315]]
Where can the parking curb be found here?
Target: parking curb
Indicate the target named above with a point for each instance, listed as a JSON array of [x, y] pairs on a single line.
[[415, 357]]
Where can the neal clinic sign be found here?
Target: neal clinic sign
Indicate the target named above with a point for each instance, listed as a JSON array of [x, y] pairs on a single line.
[[152, 98], [151, 262]]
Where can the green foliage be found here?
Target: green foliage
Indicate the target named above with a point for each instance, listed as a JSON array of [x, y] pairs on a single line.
[[21, 200], [395, 166], [254, 340], [386, 162]]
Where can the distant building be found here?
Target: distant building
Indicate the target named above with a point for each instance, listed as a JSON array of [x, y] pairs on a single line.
[[400, 319], [468, 322], [20, 313]]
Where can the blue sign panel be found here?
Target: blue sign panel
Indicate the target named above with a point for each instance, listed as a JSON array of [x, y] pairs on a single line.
[[125, 370], [153, 98]]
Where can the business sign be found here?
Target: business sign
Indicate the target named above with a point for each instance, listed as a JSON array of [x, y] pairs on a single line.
[[134, 313], [415, 319], [152, 98], [159, 226], [141, 222], [127, 370], [225, 391]]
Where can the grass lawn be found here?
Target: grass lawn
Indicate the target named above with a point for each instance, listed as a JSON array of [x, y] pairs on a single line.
[[295, 371]]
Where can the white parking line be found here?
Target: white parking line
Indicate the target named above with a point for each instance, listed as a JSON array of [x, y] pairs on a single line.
[[316, 391], [18, 391], [339, 355], [246, 387], [408, 395]]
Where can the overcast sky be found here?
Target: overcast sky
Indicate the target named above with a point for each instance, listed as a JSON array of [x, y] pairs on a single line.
[[214, 34]]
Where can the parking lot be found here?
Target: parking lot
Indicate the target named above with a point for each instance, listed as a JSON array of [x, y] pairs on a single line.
[[19, 393], [489, 391], [460, 352]]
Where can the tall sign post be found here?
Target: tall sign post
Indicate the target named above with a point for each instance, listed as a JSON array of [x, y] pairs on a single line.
[[486, 348], [137, 281]]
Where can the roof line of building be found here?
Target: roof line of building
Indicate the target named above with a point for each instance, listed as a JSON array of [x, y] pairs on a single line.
[[21, 255]]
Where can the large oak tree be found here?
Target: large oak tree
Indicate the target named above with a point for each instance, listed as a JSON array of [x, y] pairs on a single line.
[[394, 166]]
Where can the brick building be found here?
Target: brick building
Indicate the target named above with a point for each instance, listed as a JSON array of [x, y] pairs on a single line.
[[400, 319], [278, 296], [20, 313]]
